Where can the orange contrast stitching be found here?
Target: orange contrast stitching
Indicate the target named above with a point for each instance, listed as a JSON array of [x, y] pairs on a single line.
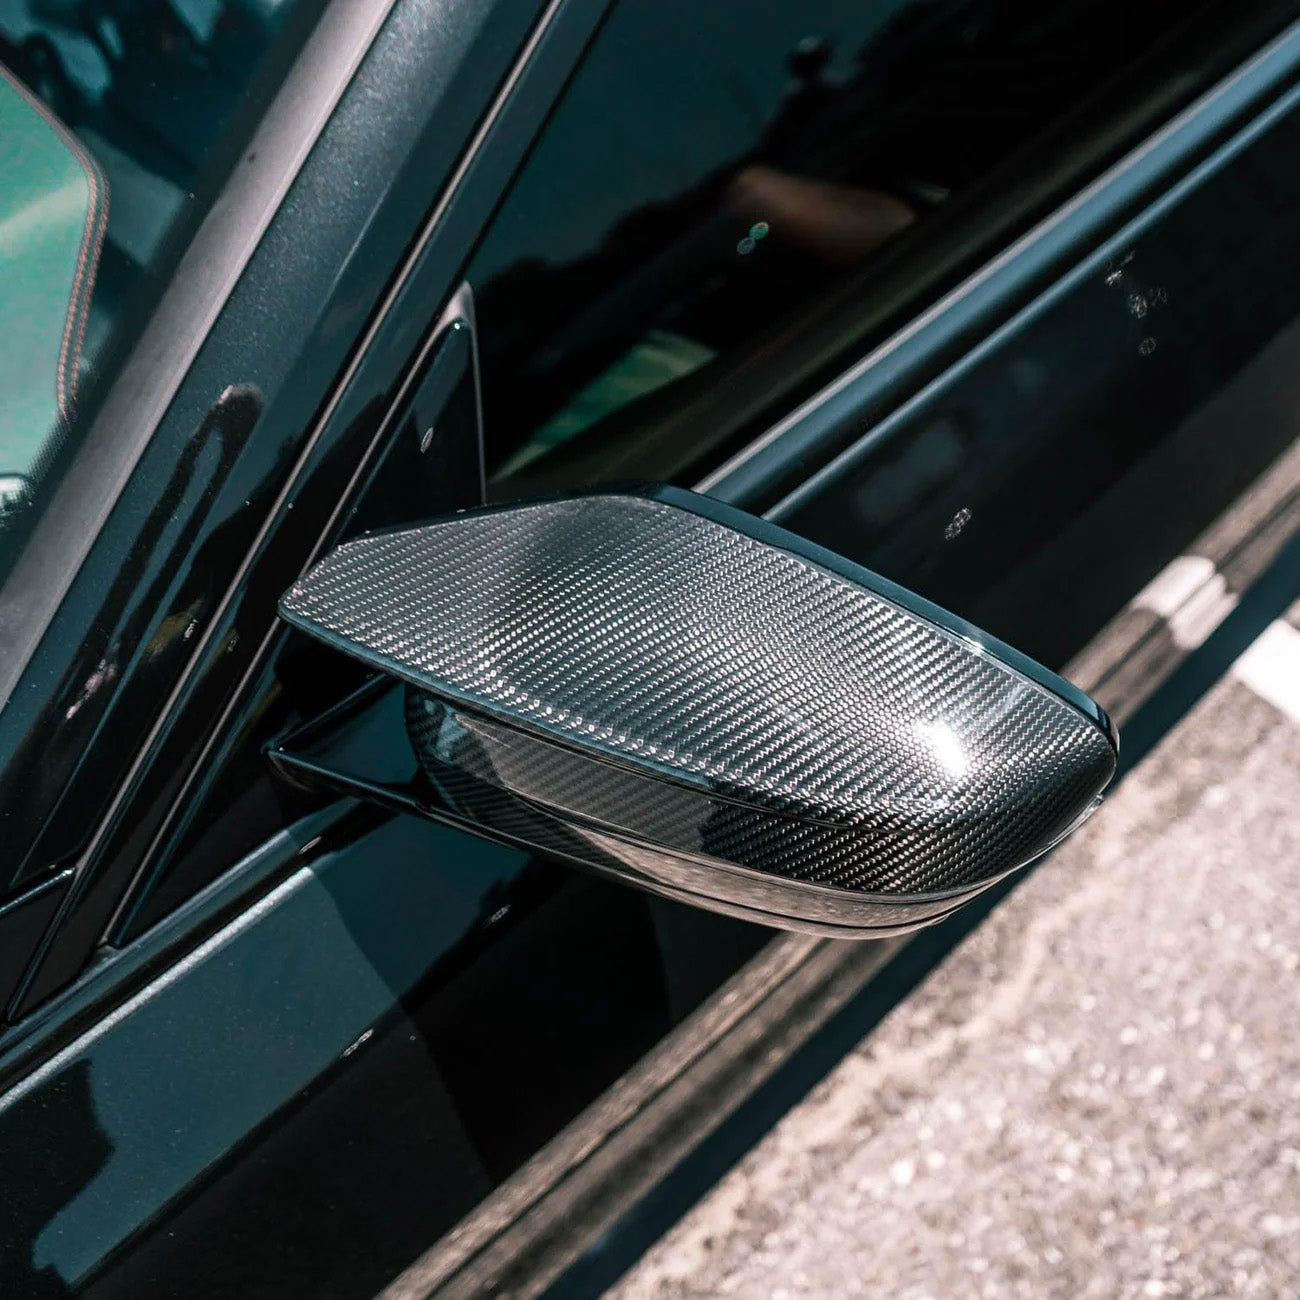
[[92, 241]]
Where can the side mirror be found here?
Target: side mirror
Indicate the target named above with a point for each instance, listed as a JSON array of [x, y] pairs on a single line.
[[663, 688]]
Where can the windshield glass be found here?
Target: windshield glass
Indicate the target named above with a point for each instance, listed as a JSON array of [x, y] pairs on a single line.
[[119, 123]]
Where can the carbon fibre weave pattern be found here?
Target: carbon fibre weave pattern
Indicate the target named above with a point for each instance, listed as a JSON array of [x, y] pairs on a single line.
[[690, 873], [886, 855], [847, 741]]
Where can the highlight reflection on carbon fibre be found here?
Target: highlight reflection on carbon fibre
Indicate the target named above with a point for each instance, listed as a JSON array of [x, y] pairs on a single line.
[[634, 667]]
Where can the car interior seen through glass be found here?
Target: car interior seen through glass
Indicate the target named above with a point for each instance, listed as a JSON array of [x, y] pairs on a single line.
[[120, 121]]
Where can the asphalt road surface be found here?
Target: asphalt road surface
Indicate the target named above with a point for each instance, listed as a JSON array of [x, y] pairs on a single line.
[[1096, 1094]]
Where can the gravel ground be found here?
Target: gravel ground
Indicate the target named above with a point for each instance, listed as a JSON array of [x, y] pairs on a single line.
[[1097, 1093]]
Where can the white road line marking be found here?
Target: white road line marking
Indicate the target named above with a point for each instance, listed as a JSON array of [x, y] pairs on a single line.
[[1270, 666], [1174, 584], [1191, 596]]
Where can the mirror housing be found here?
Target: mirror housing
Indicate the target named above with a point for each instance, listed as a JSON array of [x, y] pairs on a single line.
[[671, 691]]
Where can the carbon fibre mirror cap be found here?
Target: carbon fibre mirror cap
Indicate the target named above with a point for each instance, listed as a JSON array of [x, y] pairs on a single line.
[[660, 687]]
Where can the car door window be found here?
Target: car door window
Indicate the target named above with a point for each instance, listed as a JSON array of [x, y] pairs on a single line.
[[726, 201], [119, 122]]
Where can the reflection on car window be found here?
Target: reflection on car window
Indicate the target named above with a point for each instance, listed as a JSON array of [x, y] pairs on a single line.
[[119, 120], [713, 172]]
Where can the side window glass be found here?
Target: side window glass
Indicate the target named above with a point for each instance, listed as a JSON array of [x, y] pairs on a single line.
[[119, 123], [711, 221]]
